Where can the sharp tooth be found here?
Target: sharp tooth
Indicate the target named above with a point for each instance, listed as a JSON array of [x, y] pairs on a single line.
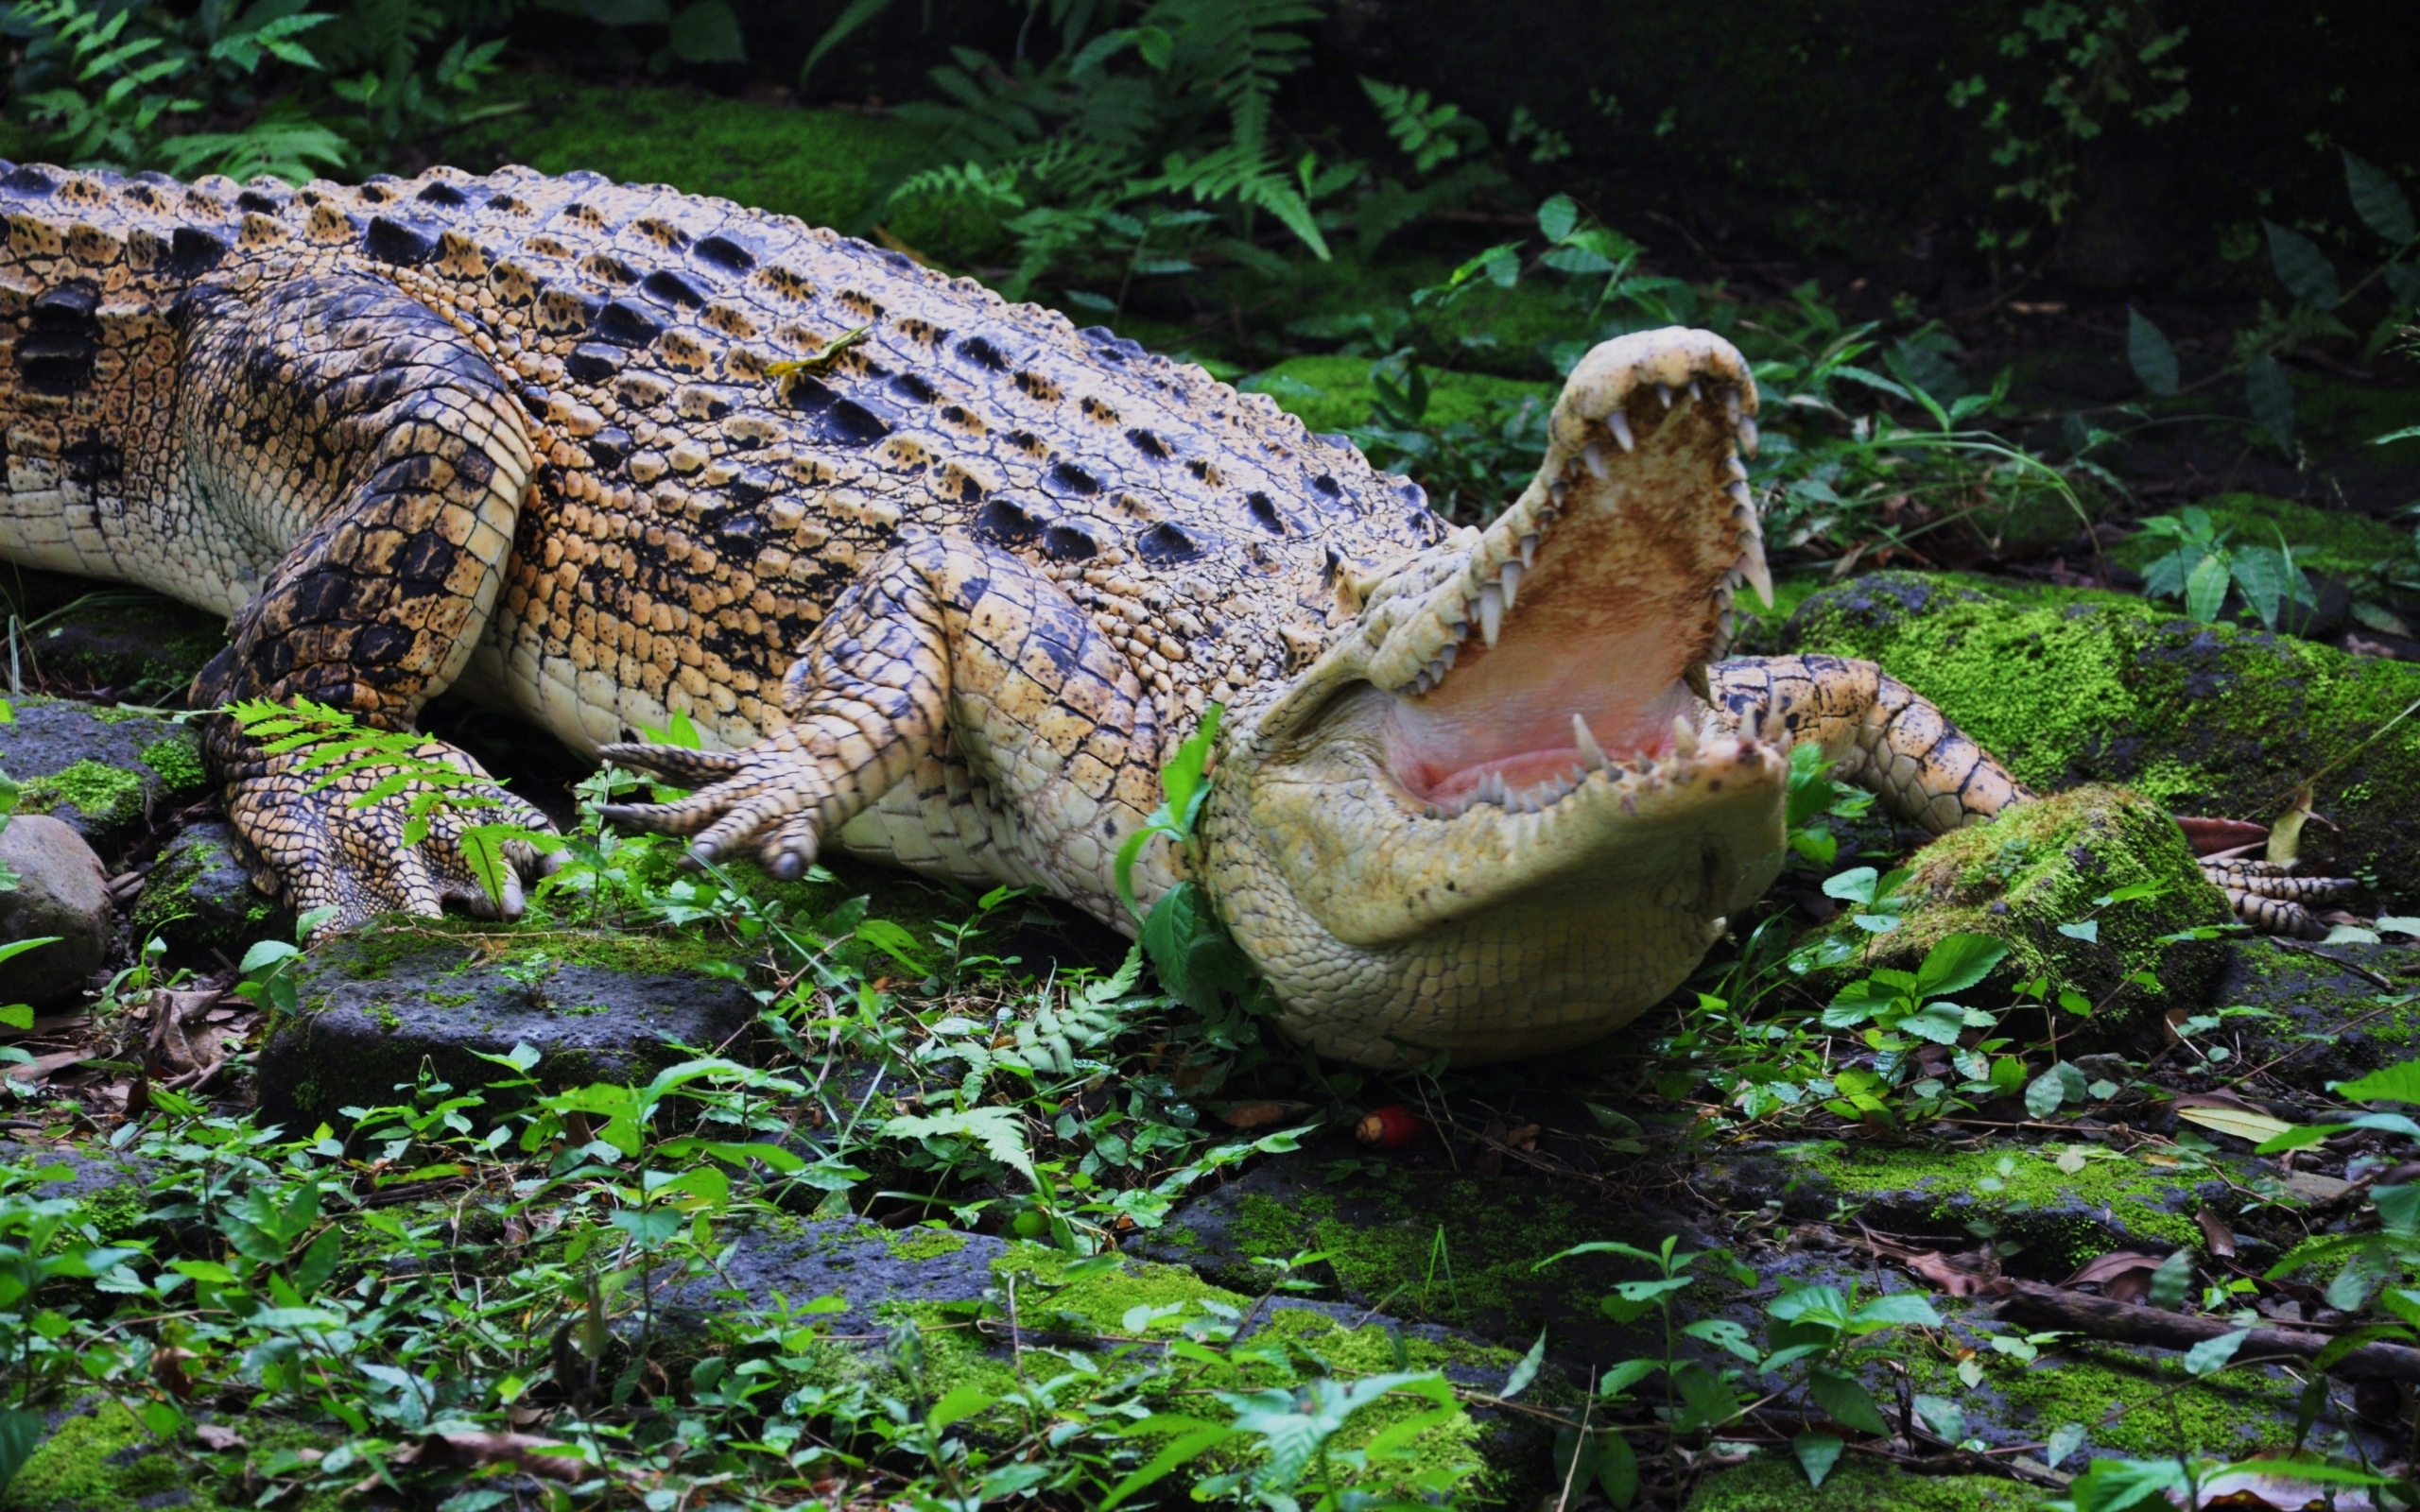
[[1748, 436], [1684, 739], [1696, 680], [1491, 611], [1529, 549], [1738, 468], [1511, 579], [1446, 659], [1556, 491], [1618, 423], [1752, 566], [1595, 457], [1663, 393], [1585, 739], [1696, 392], [1491, 789], [1731, 403], [1740, 496]]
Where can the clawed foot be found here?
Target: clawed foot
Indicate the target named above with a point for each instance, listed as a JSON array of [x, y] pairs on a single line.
[[328, 853], [773, 795], [2270, 899]]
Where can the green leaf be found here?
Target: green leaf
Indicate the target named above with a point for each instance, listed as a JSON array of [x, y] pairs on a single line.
[[999, 1130], [1846, 1401], [2116, 1484], [1958, 963], [963, 1402], [1943, 1416], [707, 32], [1194, 1439], [2210, 1356], [1817, 1453], [2271, 395], [1894, 1308], [1525, 1370], [2171, 1282], [1557, 216], [1618, 1470], [2206, 587], [19, 947], [2153, 359], [17, 1016], [21, 1433], [849, 21], [2305, 270], [2064, 1442], [2379, 200], [2043, 1094], [2398, 1083]]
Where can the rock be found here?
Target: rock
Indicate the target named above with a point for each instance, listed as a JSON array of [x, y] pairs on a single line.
[[2046, 865], [109, 1184], [199, 895], [100, 770], [61, 890], [1776, 1484], [379, 1003], [96, 1456], [1099, 1308], [2091, 687], [141, 648], [2315, 1021]]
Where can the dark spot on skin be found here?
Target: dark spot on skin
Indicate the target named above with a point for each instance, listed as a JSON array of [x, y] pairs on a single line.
[[592, 362], [1074, 479], [399, 242], [563, 311], [1109, 344], [1264, 513], [624, 324], [671, 288], [1067, 543], [1329, 568], [1005, 520], [444, 194], [724, 253], [609, 446], [898, 260], [842, 420], [742, 531], [1164, 543], [426, 562], [254, 199], [1149, 445], [1328, 486], [193, 252], [94, 460], [908, 384], [29, 181], [974, 349], [751, 488], [1333, 439], [68, 307]]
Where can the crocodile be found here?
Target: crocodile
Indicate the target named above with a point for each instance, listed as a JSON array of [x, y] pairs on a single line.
[[938, 579]]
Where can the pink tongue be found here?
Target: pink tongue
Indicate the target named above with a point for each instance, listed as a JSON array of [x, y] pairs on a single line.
[[1509, 711]]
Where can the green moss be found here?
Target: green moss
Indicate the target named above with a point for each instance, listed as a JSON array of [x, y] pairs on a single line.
[[1855, 1484], [109, 794], [2131, 1404], [178, 760], [923, 1244], [98, 1463], [372, 953], [166, 907], [2022, 1192], [817, 164], [2202, 718], [1333, 393], [2042, 865]]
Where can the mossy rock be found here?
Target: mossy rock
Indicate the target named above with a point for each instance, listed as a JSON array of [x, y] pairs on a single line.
[[99, 770], [198, 895], [2320, 1016], [380, 1004], [1333, 393], [2046, 865], [2202, 718], [99, 1458], [1855, 1484], [2020, 1193]]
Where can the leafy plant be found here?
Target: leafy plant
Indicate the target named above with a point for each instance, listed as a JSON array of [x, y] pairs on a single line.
[[2206, 566]]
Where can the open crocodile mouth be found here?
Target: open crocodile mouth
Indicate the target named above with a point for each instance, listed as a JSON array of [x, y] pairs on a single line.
[[1571, 646]]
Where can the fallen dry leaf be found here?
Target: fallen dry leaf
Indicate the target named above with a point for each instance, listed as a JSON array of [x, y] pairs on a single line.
[[42, 1067], [219, 1436], [2312, 1187], [2122, 1275], [1967, 1275], [1259, 1116], [2207, 835], [523, 1451], [168, 1372], [2216, 1234], [2239, 1123]]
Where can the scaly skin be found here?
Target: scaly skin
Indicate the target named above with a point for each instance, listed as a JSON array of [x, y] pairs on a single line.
[[940, 578]]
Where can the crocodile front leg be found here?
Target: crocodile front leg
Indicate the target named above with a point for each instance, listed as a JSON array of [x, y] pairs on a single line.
[[1884, 736], [364, 446], [959, 675]]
